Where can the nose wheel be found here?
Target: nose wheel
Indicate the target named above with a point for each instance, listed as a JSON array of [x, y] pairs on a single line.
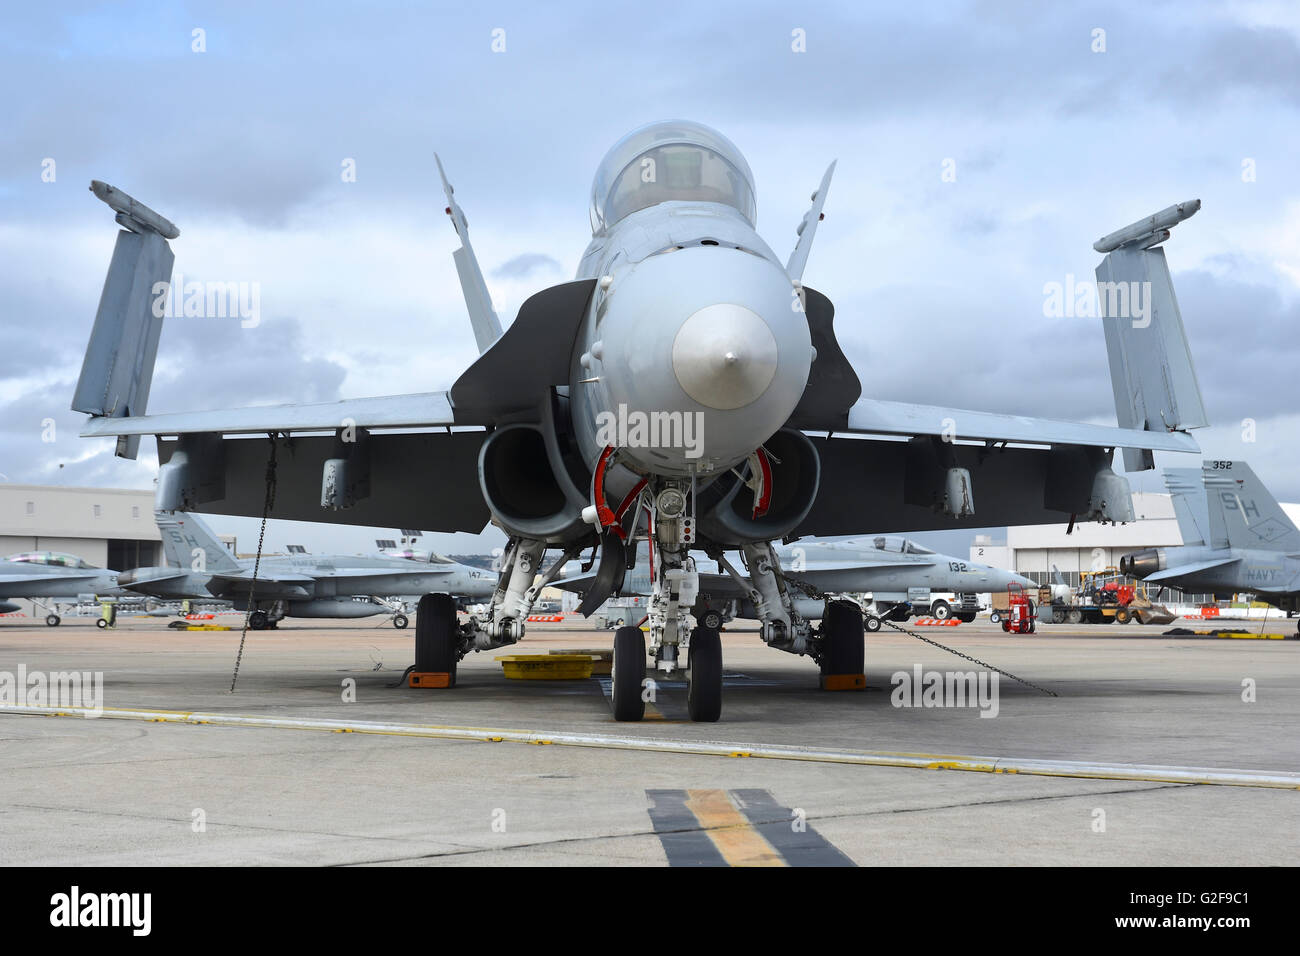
[[628, 673], [704, 676]]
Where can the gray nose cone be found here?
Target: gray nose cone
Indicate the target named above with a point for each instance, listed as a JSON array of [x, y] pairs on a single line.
[[724, 356]]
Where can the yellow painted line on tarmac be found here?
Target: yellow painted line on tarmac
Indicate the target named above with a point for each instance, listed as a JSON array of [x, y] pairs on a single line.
[[1288, 780], [730, 830]]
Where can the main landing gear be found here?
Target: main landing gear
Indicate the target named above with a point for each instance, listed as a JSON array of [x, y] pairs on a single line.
[[437, 637]]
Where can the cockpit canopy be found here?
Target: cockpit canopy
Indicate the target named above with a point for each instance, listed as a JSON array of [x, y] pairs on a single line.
[[899, 545], [672, 160], [53, 559]]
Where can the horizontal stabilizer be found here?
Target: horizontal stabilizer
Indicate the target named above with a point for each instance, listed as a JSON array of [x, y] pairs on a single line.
[[1186, 569], [117, 370], [1152, 374]]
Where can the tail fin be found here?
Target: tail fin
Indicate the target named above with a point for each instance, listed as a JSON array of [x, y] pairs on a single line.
[[1242, 512], [487, 327], [189, 543], [1151, 367], [118, 368], [1057, 577], [1188, 496]]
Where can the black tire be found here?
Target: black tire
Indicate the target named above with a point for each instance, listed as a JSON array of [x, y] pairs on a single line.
[[843, 646], [1074, 616], [871, 623], [53, 620], [258, 621], [995, 617], [436, 637], [1122, 616], [941, 610], [712, 620], [1058, 616], [704, 676], [1006, 626], [966, 617], [400, 621], [102, 622], [628, 674]]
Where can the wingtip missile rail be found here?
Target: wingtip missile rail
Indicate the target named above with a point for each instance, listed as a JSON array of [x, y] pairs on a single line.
[[133, 214], [1152, 229]]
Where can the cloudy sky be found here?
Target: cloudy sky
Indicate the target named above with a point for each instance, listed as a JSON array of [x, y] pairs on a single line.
[[938, 285]]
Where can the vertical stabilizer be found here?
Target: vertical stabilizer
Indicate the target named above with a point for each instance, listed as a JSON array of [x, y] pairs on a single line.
[[1151, 368], [1243, 514]]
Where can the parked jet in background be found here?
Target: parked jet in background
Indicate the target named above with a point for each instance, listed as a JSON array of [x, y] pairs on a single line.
[[1236, 539], [52, 574], [297, 585], [899, 574], [686, 386]]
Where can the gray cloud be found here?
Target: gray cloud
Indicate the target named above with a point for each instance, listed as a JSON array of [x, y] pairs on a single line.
[[521, 267]]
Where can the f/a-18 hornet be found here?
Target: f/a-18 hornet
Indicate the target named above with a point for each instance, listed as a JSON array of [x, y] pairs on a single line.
[[1236, 538], [296, 585], [686, 387]]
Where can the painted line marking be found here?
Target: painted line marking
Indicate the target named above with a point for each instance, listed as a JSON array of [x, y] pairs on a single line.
[[731, 832], [684, 843], [1288, 780], [800, 846], [736, 828]]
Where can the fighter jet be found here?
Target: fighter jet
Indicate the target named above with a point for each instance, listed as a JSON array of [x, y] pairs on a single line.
[[297, 585], [1236, 538], [899, 573], [53, 574], [685, 387]]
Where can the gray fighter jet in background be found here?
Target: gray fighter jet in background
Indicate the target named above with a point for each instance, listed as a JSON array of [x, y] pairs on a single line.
[[686, 387], [1236, 538], [53, 575], [900, 575], [297, 585]]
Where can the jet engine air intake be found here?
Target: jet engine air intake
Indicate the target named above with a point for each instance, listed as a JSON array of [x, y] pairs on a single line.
[[523, 490], [796, 476]]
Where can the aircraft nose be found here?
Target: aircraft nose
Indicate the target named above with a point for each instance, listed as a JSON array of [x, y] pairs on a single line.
[[724, 356]]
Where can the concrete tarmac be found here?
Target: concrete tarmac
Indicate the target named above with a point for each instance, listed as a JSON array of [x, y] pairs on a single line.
[[134, 791]]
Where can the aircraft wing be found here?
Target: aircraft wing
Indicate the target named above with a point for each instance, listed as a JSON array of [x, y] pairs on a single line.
[[265, 576], [46, 578], [390, 411], [1185, 569], [387, 572], [878, 417]]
